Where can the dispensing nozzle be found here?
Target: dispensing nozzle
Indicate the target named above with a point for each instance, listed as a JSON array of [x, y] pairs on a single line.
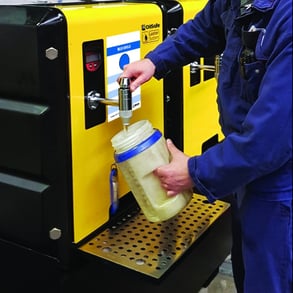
[[125, 101]]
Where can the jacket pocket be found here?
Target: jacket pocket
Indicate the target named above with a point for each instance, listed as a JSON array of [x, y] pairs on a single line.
[[252, 74]]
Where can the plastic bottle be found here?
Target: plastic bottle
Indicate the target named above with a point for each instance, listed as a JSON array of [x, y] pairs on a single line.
[[138, 152]]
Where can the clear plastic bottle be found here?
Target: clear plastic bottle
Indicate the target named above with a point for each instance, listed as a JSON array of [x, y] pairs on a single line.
[[138, 152]]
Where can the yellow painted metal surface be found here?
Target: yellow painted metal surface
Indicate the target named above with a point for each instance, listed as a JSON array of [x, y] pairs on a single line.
[[92, 153], [200, 108]]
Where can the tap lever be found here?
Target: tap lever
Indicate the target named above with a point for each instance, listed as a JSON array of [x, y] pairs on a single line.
[[125, 101], [124, 93], [195, 66]]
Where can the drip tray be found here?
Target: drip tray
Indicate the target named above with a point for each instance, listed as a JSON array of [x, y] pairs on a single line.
[[152, 248]]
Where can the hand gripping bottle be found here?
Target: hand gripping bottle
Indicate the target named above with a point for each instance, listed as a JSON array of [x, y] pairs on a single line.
[[138, 152]]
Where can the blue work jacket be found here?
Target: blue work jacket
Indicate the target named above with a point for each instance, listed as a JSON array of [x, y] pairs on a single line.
[[255, 108]]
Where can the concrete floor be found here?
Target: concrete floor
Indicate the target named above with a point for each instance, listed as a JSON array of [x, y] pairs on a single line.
[[223, 282]]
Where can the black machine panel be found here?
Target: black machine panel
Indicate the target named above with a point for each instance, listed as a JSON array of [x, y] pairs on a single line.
[[34, 126], [21, 135]]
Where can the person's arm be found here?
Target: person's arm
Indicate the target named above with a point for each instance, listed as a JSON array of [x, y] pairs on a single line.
[[202, 36], [263, 145]]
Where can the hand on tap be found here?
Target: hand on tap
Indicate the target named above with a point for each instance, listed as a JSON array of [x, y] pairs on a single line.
[[138, 72]]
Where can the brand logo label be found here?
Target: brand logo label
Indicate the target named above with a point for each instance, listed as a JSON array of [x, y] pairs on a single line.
[[150, 32]]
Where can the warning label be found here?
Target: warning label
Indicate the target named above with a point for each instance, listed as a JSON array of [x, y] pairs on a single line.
[[150, 36]]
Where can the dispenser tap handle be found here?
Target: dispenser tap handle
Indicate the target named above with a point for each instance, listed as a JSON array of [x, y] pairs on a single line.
[[125, 97], [125, 101], [124, 82]]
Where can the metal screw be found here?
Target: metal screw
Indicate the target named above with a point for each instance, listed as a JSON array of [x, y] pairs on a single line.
[[55, 233], [51, 53]]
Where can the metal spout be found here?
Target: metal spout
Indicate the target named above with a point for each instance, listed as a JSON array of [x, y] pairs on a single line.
[[125, 101]]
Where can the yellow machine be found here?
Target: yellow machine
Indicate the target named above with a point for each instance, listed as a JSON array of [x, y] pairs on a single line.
[[201, 127], [137, 25], [200, 112], [60, 61]]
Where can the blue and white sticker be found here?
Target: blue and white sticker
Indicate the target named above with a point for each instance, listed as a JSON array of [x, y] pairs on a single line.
[[121, 50]]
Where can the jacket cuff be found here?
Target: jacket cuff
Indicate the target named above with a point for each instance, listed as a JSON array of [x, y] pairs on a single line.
[[161, 70], [199, 186]]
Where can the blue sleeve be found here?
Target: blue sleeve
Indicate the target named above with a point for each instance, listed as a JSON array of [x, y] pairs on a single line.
[[259, 156], [188, 42]]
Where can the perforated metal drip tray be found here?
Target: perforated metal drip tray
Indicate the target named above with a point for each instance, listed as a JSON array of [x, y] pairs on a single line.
[[152, 248]]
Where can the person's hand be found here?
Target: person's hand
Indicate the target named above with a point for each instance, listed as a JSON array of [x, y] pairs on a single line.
[[174, 176], [138, 72]]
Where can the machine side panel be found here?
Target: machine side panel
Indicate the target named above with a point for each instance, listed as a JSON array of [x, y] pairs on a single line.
[[34, 128]]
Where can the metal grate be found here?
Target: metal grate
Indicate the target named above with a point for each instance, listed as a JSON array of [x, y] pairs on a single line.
[[152, 248]]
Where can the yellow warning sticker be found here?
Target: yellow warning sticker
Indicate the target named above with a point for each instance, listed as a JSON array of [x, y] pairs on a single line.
[[150, 36]]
